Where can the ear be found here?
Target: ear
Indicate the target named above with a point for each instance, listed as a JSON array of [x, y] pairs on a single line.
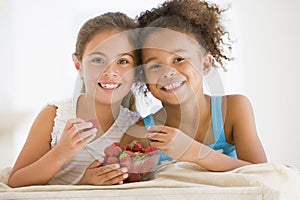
[[76, 63], [207, 63]]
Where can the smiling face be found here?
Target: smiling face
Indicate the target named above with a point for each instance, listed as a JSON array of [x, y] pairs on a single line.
[[107, 66], [174, 64]]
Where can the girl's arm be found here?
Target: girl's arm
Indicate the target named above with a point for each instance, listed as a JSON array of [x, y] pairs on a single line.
[[181, 147], [38, 163], [244, 135], [249, 149]]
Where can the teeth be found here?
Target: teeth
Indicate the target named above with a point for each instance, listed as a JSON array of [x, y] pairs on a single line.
[[173, 85], [109, 86]]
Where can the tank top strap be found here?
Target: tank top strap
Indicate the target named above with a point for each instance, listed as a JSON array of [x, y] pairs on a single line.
[[217, 118], [220, 142]]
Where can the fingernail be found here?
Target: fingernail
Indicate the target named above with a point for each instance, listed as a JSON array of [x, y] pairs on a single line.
[[121, 182], [116, 166], [125, 176], [90, 124], [124, 169]]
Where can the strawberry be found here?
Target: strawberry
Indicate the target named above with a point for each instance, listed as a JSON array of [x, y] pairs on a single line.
[[146, 165], [132, 154], [113, 150], [134, 178], [94, 121], [116, 144], [140, 162], [125, 160], [111, 160], [127, 147], [136, 164], [136, 146], [151, 150]]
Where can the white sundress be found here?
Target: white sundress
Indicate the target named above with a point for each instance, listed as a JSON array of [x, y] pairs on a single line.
[[73, 170]]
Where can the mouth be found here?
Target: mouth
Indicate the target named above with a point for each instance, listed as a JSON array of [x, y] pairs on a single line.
[[109, 86], [173, 86]]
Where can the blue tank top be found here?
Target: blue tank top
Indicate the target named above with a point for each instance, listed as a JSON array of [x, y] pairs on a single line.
[[220, 142]]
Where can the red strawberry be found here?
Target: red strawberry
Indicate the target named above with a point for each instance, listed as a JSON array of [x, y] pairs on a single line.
[[94, 121], [134, 178], [136, 146], [113, 150], [151, 150], [127, 147], [125, 160], [132, 154], [111, 160], [146, 165], [136, 164], [116, 144]]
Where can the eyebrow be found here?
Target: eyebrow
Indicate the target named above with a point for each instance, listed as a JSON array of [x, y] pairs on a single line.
[[175, 51], [118, 55], [96, 53]]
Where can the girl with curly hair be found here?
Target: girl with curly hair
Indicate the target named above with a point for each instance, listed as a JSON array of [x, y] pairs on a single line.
[[181, 40]]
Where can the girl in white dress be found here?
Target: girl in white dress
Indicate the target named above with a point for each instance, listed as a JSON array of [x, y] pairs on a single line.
[[63, 147]]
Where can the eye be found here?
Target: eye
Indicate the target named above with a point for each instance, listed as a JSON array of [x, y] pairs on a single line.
[[123, 61], [154, 66], [179, 59], [98, 60]]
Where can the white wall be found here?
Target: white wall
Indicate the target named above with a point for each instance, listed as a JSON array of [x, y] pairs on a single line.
[[37, 39], [270, 39]]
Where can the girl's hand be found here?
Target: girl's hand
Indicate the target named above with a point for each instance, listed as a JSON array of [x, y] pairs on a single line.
[[175, 143], [96, 174], [76, 132]]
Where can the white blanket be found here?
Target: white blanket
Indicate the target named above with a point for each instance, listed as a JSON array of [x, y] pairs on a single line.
[[178, 181]]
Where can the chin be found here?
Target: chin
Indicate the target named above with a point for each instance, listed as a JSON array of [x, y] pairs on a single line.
[[173, 101]]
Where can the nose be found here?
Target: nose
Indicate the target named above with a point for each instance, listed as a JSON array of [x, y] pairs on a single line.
[[111, 71], [169, 73]]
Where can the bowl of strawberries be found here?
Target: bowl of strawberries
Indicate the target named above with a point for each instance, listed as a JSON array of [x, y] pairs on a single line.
[[141, 162]]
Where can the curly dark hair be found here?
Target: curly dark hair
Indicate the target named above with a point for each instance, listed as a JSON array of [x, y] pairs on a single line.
[[199, 19]]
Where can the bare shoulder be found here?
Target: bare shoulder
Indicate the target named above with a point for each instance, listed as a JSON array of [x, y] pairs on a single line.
[[236, 99], [44, 122], [49, 110], [241, 120], [47, 115], [39, 138], [237, 110], [40, 132], [237, 103]]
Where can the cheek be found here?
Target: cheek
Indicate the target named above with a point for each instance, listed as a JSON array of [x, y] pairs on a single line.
[[128, 75], [153, 88], [89, 76], [92, 72], [153, 77]]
